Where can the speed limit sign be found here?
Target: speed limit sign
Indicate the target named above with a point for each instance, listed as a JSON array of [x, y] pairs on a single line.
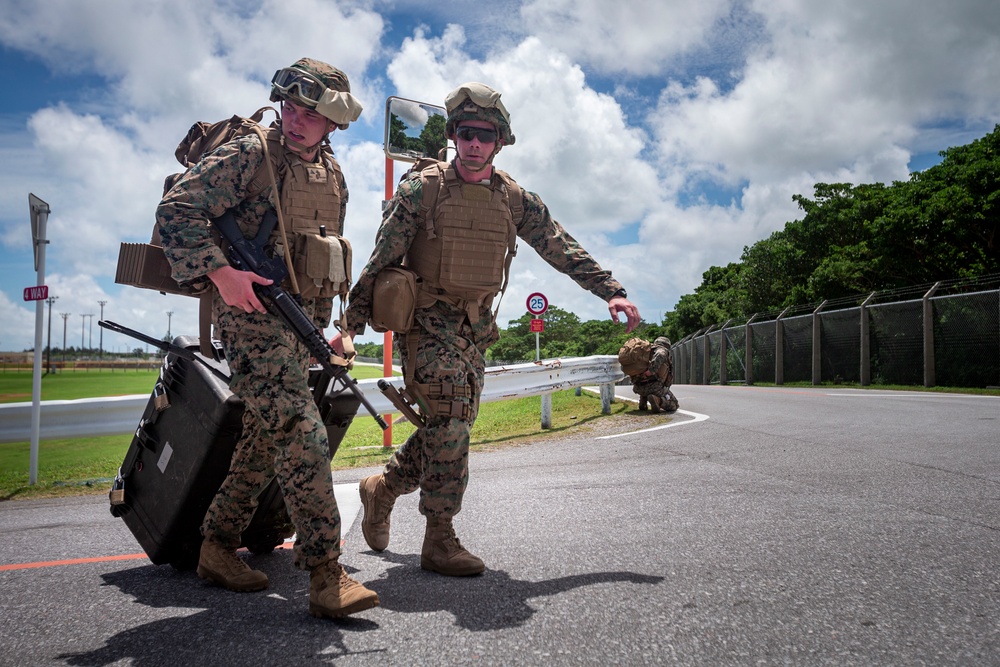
[[537, 303]]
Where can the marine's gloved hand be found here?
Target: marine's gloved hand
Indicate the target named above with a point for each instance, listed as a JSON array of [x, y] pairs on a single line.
[[337, 342]]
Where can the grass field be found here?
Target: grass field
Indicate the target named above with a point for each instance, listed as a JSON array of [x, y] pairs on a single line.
[[87, 465], [68, 385]]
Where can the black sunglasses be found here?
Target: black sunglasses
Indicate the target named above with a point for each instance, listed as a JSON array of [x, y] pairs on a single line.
[[484, 135]]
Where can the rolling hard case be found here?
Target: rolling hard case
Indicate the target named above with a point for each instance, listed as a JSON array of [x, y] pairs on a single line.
[[181, 451]]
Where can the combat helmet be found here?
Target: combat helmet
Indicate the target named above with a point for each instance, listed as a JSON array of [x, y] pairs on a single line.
[[662, 341], [318, 86], [477, 101]]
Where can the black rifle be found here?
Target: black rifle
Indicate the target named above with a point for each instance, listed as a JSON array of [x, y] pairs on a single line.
[[249, 255]]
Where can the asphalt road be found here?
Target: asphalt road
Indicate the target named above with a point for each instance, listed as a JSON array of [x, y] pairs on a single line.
[[760, 526]]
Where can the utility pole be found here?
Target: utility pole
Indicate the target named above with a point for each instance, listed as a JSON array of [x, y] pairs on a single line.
[[48, 347], [65, 317], [101, 354], [170, 315], [83, 322]]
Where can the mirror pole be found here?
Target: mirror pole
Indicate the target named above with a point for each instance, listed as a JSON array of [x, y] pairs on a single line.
[[387, 336]]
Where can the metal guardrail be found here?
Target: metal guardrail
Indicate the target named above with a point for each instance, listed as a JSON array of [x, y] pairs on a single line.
[[92, 417]]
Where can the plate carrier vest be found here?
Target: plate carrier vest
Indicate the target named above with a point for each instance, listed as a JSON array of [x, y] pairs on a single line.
[[469, 238]]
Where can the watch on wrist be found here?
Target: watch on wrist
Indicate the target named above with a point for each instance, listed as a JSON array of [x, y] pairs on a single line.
[[620, 293]]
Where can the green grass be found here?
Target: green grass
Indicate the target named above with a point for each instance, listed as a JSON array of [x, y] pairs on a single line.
[[78, 466], [69, 384]]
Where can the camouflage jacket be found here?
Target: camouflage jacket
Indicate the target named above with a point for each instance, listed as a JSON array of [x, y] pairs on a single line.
[[661, 356], [401, 222], [217, 183]]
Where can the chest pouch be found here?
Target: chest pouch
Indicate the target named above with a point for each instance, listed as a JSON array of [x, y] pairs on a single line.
[[322, 264]]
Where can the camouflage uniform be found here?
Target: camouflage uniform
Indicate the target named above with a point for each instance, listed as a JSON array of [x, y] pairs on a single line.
[[451, 346], [283, 432], [649, 382]]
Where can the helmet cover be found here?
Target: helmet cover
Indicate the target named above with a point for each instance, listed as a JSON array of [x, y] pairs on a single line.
[[317, 85], [477, 101]]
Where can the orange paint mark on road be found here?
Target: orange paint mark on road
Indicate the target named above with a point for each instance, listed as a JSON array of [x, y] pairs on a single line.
[[72, 561], [100, 559]]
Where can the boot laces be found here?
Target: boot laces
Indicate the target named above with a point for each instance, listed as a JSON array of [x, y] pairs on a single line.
[[451, 541], [234, 563]]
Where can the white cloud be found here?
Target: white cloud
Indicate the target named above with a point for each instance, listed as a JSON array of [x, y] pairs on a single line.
[[639, 37], [749, 102]]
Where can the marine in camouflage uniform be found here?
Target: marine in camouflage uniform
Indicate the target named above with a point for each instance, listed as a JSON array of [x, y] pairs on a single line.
[[283, 431], [653, 388], [452, 342]]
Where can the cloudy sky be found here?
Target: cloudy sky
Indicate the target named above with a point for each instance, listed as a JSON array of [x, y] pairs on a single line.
[[666, 135]]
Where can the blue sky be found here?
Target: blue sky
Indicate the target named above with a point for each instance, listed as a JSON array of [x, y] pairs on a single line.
[[665, 135]]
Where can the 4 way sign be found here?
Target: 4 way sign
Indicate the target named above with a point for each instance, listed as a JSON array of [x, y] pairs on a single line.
[[37, 293]]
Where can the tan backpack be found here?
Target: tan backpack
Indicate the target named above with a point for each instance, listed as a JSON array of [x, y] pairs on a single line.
[[144, 264], [635, 355]]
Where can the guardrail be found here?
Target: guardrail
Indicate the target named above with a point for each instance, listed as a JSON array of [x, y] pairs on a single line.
[[91, 417]]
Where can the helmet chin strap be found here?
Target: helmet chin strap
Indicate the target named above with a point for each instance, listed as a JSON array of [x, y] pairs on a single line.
[[476, 166], [298, 148]]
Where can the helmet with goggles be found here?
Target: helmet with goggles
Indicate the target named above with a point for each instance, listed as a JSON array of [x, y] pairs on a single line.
[[477, 101], [318, 86]]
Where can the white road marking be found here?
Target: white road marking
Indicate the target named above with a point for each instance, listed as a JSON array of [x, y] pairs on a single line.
[[695, 417]]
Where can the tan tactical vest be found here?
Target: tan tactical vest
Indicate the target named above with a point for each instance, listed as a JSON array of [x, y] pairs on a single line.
[[310, 203], [463, 254]]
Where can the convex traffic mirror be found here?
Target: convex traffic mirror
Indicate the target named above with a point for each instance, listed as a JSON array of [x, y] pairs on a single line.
[[413, 130]]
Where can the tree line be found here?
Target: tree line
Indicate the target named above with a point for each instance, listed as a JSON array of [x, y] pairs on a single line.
[[853, 240]]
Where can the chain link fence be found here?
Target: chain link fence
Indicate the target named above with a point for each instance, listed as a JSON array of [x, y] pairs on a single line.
[[948, 336]]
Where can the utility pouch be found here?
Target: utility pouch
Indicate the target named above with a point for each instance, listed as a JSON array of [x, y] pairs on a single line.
[[322, 265], [442, 399], [394, 300]]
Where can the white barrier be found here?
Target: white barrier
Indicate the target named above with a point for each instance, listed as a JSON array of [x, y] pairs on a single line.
[[91, 417]]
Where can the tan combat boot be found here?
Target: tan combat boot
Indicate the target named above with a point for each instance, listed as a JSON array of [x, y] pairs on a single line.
[[222, 566], [444, 554], [334, 594], [656, 402], [378, 502]]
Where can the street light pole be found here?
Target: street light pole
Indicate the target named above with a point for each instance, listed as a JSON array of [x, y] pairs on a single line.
[[82, 330], [101, 354], [65, 317], [48, 347]]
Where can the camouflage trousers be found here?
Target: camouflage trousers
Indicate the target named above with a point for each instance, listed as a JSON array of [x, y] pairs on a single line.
[[655, 388], [435, 459], [283, 435]]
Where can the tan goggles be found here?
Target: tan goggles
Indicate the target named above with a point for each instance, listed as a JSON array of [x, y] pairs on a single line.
[[310, 89], [340, 107]]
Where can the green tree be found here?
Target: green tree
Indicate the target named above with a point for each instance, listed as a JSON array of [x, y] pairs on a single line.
[[940, 224], [432, 136]]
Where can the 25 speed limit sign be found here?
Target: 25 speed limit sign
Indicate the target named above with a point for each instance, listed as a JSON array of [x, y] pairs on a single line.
[[537, 303]]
